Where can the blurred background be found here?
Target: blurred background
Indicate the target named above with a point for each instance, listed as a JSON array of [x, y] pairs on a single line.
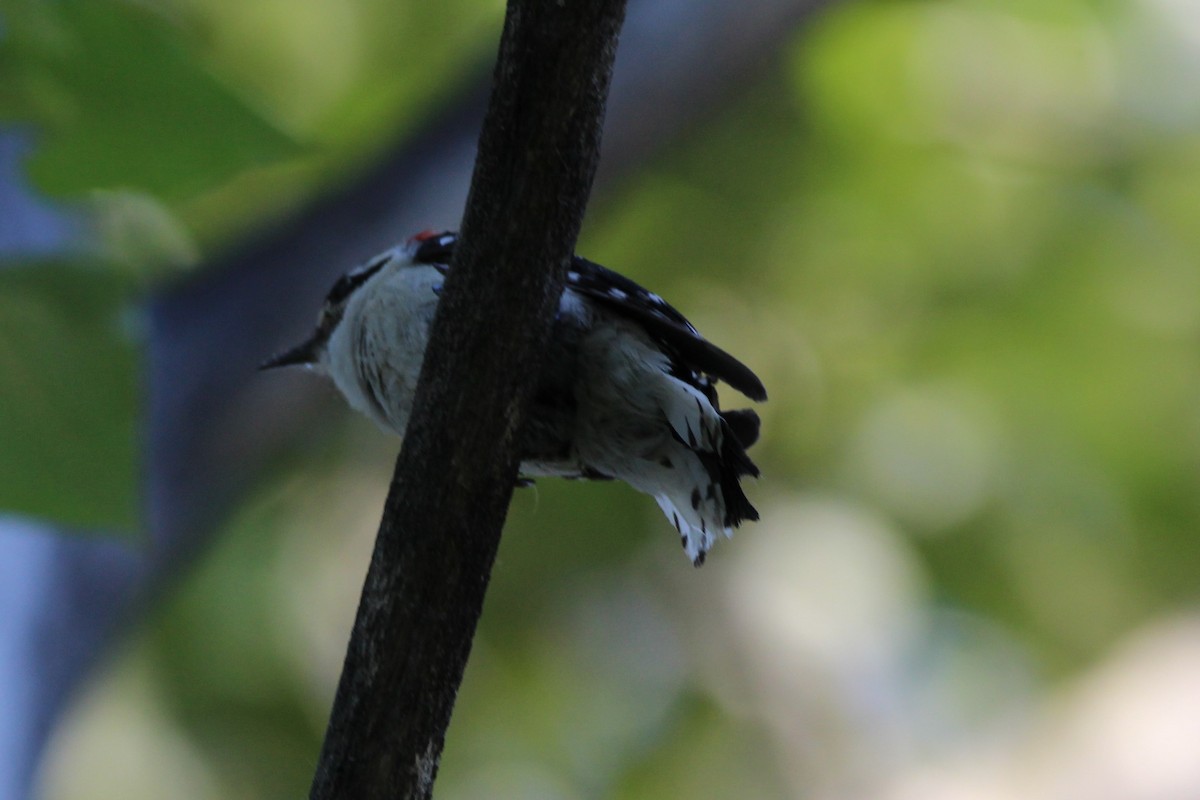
[[958, 240]]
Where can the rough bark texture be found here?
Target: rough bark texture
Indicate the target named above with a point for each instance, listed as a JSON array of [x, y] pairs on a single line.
[[454, 478]]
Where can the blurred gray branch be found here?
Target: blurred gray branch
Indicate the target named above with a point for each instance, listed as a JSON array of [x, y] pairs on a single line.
[[214, 424]]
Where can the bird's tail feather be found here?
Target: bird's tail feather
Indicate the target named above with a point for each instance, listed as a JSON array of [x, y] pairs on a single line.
[[703, 495]]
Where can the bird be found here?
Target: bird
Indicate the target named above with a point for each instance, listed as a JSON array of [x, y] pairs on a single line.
[[627, 390]]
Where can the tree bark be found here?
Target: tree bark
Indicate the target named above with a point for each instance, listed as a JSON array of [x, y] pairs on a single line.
[[455, 474]]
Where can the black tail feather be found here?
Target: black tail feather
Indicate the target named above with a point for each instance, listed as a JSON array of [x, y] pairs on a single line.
[[745, 425], [727, 468], [734, 464]]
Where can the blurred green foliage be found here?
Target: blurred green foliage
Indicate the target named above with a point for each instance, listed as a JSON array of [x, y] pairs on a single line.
[[121, 104], [70, 394], [957, 239]]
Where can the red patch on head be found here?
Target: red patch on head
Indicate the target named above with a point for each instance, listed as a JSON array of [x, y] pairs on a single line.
[[422, 236]]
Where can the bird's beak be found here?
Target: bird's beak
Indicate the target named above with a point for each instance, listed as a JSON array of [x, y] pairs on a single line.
[[303, 354]]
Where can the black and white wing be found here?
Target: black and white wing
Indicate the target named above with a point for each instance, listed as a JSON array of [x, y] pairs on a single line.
[[625, 297], [664, 323]]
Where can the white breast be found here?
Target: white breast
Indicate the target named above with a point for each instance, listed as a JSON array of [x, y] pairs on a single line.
[[375, 354]]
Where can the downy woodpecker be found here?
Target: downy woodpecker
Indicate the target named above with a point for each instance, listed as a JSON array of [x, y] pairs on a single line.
[[627, 391]]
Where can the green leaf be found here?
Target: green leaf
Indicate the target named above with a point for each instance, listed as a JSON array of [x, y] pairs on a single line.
[[122, 103], [68, 398]]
